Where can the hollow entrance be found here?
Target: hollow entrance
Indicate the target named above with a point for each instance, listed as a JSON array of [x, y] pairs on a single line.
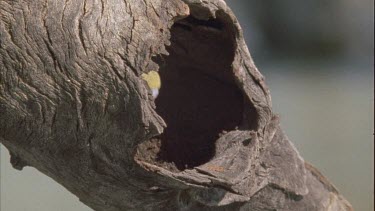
[[199, 98]]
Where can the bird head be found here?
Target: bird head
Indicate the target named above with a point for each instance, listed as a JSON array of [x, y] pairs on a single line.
[[153, 81]]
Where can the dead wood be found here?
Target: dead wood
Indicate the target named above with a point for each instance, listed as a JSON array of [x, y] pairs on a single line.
[[73, 106]]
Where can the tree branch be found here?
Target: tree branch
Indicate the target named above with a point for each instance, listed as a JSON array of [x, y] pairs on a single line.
[[74, 106]]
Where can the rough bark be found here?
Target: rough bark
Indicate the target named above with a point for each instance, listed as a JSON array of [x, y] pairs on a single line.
[[73, 105]]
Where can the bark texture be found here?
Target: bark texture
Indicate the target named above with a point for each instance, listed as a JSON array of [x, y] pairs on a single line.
[[73, 105]]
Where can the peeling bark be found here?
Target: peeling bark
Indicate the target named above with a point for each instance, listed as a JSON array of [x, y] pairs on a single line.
[[73, 105]]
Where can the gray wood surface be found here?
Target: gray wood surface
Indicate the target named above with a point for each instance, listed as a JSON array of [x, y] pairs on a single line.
[[73, 105]]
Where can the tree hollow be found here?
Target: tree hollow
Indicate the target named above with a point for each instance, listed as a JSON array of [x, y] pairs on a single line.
[[199, 98]]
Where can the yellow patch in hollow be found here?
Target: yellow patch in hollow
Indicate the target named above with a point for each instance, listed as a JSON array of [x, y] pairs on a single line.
[[153, 79]]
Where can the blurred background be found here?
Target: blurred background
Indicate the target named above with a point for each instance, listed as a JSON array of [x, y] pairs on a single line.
[[317, 58]]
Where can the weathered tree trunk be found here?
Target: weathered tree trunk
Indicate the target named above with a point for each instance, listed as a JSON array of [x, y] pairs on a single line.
[[73, 105]]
